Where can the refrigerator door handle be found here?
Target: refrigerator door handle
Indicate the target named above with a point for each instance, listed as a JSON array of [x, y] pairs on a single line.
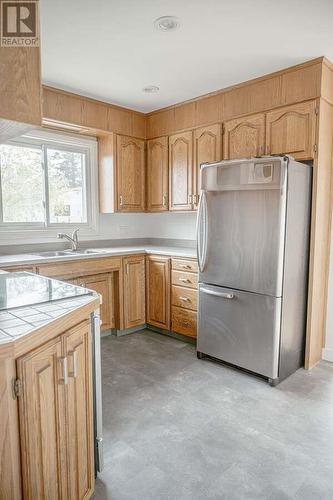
[[202, 231], [218, 294]]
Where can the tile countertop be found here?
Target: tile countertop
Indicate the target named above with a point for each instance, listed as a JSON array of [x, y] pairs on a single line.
[[31, 258], [20, 321]]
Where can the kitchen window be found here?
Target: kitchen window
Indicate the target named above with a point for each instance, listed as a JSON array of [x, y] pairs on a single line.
[[48, 180]]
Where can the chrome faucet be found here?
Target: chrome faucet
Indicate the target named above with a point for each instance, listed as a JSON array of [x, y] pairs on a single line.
[[74, 240]]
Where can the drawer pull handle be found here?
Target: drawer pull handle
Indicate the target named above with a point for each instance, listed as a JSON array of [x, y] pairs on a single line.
[[185, 266], [73, 355], [185, 299], [184, 280]]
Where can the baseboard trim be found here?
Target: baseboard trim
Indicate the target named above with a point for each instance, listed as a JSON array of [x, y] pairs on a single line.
[[170, 333], [327, 354], [133, 329]]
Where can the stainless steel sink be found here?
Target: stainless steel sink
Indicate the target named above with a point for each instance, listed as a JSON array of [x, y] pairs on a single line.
[[64, 253], [55, 253]]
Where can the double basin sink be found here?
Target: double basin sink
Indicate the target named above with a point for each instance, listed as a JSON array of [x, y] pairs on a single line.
[[64, 253]]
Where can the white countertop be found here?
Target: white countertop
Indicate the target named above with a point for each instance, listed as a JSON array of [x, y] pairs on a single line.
[[30, 258], [21, 321]]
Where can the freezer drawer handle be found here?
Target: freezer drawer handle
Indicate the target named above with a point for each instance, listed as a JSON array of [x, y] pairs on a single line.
[[218, 294]]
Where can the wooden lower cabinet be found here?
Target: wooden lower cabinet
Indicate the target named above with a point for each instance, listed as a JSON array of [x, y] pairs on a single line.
[[56, 420], [158, 291], [184, 278], [184, 321], [80, 413], [43, 423], [104, 285], [134, 291]]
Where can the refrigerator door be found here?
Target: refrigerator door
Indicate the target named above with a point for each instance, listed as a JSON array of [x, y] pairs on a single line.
[[240, 328], [241, 222]]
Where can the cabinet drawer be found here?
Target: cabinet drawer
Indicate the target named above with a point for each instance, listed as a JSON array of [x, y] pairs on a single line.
[[190, 280], [185, 265], [184, 321], [184, 297]]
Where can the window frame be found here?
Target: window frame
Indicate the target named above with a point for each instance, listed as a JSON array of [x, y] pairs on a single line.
[[44, 139]]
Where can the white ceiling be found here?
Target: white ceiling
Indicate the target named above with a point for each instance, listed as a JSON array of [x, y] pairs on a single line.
[[110, 49]]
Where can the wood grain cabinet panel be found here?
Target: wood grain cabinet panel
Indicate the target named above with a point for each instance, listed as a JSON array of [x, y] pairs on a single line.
[[291, 130], [158, 291], [185, 265], [181, 278], [56, 418], [184, 297], [102, 284], [207, 148], [180, 171], [244, 137], [134, 291], [80, 413], [184, 321], [157, 175], [43, 423], [130, 174]]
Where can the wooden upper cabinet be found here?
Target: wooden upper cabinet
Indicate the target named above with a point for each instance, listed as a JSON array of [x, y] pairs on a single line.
[[20, 90], [134, 291], [158, 291], [80, 413], [291, 130], [130, 174], [157, 175], [43, 422], [180, 171], [244, 137], [207, 148]]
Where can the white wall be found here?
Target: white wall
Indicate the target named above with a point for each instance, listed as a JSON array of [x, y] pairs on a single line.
[[328, 349], [119, 226], [164, 225]]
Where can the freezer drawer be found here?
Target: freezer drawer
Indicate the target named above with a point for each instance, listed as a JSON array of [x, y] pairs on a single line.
[[241, 328]]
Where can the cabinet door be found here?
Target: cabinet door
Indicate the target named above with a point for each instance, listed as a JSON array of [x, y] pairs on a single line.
[[291, 130], [180, 171], [42, 422], [244, 137], [79, 412], [158, 291], [157, 175], [130, 174], [207, 148], [102, 284], [134, 291]]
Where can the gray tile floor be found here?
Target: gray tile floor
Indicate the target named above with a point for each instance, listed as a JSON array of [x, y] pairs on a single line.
[[179, 428]]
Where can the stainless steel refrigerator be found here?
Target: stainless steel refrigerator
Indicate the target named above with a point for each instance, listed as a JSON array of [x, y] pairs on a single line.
[[252, 241]]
